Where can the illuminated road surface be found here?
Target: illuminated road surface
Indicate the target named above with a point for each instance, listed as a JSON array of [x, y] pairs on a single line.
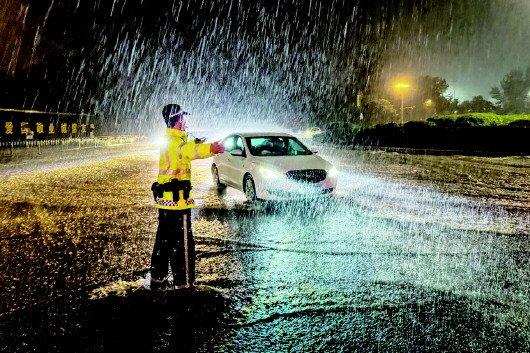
[[382, 266]]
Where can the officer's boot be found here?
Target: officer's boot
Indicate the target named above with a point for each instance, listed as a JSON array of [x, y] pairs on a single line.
[[159, 284]]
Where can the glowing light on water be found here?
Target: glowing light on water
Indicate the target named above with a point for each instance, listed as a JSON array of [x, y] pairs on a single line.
[[376, 243]]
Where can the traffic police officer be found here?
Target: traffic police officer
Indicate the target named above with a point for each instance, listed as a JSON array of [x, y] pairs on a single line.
[[173, 198]]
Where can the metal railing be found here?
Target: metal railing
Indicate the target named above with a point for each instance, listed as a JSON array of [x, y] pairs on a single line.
[[9, 149]]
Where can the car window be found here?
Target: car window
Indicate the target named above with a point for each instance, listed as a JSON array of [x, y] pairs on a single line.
[[239, 143], [295, 148], [276, 146], [229, 144]]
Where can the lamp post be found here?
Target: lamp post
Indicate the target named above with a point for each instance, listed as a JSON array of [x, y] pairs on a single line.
[[400, 87]]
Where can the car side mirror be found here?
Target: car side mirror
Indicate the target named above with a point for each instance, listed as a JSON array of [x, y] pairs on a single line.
[[314, 152], [237, 152]]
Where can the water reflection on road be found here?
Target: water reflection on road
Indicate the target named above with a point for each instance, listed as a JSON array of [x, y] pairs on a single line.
[[380, 266]]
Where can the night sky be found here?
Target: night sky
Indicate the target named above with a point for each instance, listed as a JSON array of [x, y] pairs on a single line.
[[487, 41], [126, 56]]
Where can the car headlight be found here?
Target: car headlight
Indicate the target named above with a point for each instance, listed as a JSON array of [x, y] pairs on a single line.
[[332, 173], [270, 174]]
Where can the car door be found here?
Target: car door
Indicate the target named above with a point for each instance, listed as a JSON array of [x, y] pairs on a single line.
[[229, 166], [237, 163], [222, 159]]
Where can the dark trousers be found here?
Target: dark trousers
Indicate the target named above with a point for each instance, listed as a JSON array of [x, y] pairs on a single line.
[[174, 244]]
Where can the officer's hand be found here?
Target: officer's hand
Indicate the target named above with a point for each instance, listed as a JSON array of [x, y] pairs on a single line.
[[217, 147], [200, 140]]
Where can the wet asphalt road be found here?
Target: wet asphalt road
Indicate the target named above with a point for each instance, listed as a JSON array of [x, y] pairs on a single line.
[[382, 266]]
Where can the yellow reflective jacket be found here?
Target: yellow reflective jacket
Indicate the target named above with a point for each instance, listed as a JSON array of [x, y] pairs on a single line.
[[175, 163]]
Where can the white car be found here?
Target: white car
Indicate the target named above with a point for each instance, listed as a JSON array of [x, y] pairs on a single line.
[[272, 166]]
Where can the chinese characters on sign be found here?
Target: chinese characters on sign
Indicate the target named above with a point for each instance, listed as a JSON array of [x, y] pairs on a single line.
[[24, 128], [37, 129], [9, 128]]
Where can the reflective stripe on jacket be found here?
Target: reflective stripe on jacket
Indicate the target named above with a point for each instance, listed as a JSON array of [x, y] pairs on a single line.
[[175, 163]]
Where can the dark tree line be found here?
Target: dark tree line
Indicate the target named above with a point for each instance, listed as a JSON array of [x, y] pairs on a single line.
[[428, 96], [513, 94]]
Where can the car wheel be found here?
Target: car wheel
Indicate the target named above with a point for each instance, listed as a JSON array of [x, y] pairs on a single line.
[[216, 180], [249, 188]]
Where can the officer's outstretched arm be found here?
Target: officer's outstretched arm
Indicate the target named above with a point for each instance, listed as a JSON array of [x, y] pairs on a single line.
[[192, 150]]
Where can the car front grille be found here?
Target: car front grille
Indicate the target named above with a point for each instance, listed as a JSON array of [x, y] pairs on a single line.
[[307, 175]]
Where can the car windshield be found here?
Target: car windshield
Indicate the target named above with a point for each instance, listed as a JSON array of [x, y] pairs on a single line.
[[276, 146]]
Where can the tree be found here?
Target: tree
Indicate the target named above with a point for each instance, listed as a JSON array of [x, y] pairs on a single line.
[[424, 98], [476, 105], [513, 94], [432, 88], [379, 111]]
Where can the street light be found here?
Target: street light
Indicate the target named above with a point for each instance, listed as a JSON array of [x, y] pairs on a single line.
[[401, 87]]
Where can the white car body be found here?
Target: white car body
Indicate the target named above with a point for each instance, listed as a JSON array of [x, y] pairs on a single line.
[[279, 177]]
